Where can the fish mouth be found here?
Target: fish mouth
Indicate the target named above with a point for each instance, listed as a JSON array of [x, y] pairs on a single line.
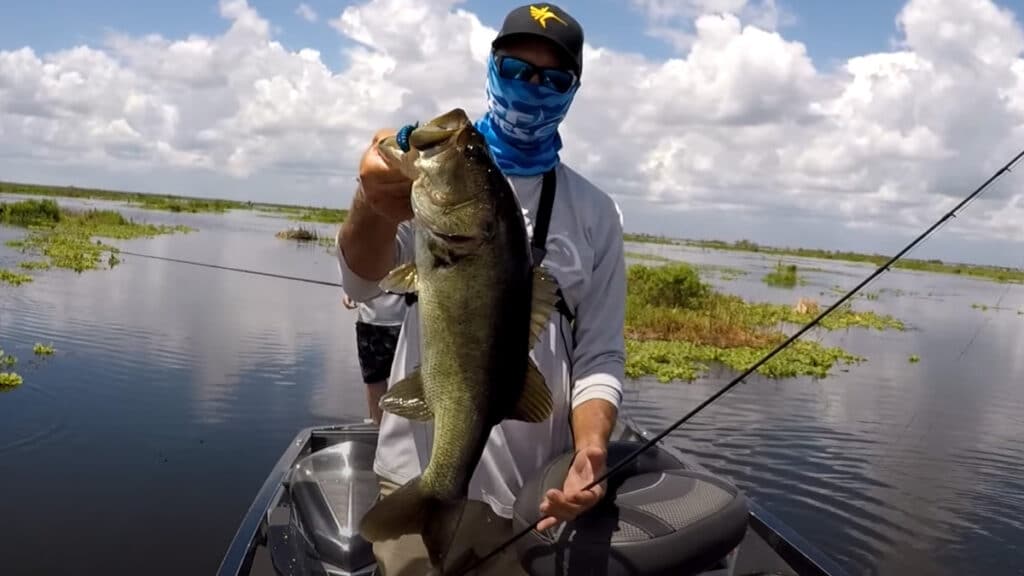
[[447, 128]]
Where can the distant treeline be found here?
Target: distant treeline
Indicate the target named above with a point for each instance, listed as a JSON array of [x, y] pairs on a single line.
[[997, 273], [173, 203]]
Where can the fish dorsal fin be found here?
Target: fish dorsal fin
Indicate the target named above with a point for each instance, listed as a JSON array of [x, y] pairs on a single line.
[[402, 279], [534, 404], [406, 399], [545, 299]]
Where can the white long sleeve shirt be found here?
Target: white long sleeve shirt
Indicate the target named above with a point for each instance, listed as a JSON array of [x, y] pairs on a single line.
[[585, 253]]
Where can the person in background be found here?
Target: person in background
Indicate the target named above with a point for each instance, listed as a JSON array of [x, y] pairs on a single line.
[[378, 323], [533, 73]]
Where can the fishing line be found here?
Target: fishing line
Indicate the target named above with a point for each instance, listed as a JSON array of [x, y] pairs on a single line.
[[988, 318], [233, 269], [654, 440]]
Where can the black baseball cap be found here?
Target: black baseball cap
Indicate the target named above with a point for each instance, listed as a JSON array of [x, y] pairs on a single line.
[[546, 21]]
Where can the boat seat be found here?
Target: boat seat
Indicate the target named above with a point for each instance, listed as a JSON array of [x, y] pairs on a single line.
[[331, 490], [657, 517]]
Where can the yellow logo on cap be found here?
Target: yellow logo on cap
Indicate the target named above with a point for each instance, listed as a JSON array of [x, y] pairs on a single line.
[[542, 15]]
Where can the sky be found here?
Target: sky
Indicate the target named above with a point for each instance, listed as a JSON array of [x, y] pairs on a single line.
[[840, 125]]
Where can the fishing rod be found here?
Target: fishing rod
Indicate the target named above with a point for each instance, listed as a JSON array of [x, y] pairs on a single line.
[[233, 269], [648, 444]]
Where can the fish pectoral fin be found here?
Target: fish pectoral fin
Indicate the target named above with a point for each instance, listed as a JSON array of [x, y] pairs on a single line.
[[401, 279], [406, 399], [544, 301], [535, 402]]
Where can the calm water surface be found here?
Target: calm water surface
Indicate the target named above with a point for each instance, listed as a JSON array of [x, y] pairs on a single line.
[[138, 446]]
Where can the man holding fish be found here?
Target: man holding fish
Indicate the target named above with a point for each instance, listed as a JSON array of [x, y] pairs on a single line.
[[511, 354]]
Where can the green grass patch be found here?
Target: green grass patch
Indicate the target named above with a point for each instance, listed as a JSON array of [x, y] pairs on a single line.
[[648, 257], [8, 379], [34, 265], [188, 205], [306, 214], [784, 276], [676, 324], [992, 273], [68, 241], [648, 238], [174, 203], [13, 278], [42, 349], [301, 234]]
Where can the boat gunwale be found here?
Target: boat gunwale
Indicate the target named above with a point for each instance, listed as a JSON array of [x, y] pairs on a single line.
[[802, 556]]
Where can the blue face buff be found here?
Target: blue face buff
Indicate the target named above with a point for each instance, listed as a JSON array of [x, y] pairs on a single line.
[[521, 125]]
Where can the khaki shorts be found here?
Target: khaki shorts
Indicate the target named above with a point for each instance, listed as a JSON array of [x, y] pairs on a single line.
[[406, 555]]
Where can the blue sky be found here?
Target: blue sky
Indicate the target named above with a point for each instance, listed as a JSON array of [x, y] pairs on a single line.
[[832, 31], [876, 160]]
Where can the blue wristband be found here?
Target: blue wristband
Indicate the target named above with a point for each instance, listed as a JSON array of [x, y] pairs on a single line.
[[403, 136]]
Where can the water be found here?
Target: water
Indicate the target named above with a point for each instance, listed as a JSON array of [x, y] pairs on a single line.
[[140, 444]]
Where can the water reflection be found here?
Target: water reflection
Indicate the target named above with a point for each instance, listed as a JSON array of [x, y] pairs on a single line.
[[891, 467]]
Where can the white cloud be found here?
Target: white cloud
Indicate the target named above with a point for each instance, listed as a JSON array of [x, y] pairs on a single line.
[[306, 12], [742, 120]]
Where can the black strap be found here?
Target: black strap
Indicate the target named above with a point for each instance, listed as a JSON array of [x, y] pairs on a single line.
[[540, 223], [540, 237]]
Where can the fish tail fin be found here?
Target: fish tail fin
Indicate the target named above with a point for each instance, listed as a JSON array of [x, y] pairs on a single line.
[[409, 510], [441, 535], [401, 512]]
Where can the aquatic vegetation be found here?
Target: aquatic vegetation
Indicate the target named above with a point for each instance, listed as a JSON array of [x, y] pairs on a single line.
[[8, 379], [67, 242], [13, 278], [42, 349], [784, 276], [650, 257], [726, 273], [677, 285], [300, 233], [669, 360], [306, 214], [34, 265], [173, 203], [978, 271], [648, 238], [177, 204], [676, 324], [29, 213]]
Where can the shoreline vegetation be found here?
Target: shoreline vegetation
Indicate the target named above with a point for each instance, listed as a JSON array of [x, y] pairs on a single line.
[[173, 203], [67, 238], [1000, 274], [677, 324]]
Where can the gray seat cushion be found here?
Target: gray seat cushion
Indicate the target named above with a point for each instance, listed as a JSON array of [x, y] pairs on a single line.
[[657, 517]]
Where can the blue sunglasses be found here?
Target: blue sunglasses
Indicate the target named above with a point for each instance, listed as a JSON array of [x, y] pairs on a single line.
[[513, 68]]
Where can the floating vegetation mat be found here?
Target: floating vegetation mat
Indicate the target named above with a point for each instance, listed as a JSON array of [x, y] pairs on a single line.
[[8, 378], [676, 324], [65, 238]]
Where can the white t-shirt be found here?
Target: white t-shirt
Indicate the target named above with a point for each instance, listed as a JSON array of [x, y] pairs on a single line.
[[585, 253], [384, 310]]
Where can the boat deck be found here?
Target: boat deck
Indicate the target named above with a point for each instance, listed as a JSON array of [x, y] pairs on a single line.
[[768, 548]]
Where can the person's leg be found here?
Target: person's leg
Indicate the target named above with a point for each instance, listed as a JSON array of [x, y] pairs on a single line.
[[376, 348], [374, 390]]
